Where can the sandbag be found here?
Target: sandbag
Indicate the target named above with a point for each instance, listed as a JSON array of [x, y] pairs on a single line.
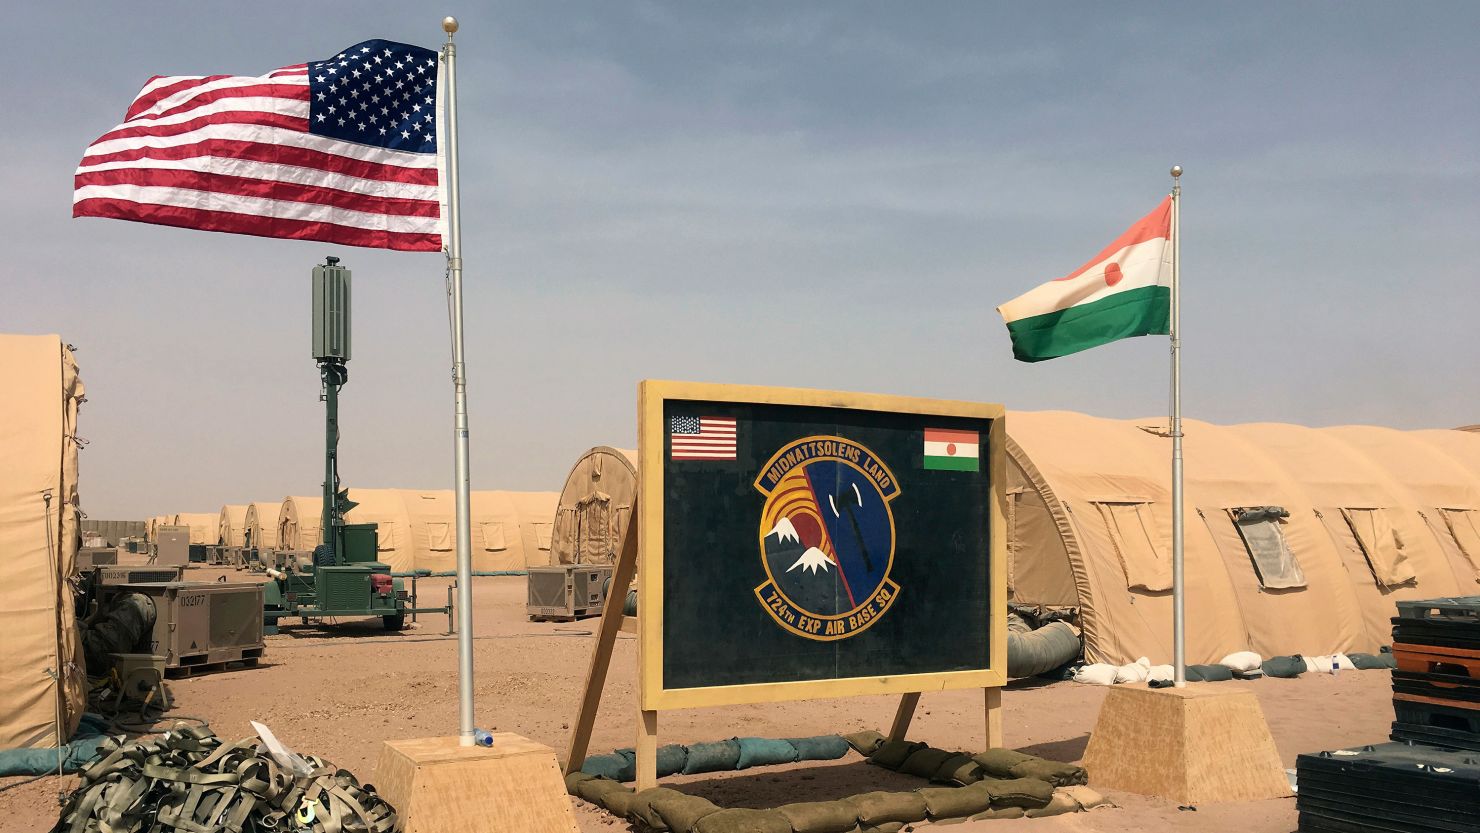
[[1322, 664], [619, 802], [820, 748], [1242, 661], [1058, 804], [1133, 672], [998, 763], [1086, 798], [923, 763], [888, 827], [672, 758], [1283, 667], [712, 757], [616, 767], [593, 789], [1372, 662], [1053, 772], [1160, 672], [958, 769], [682, 812], [882, 807], [999, 813], [1098, 673], [1027, 793], [764, 752], [574, 778], [955, 802], [642, 810], [893, 753], [865, 742], [742, 820], [1034, 652], [821, 816], [1209, 673]]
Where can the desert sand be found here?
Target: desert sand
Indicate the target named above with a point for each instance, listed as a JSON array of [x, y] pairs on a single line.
[[339, 692]]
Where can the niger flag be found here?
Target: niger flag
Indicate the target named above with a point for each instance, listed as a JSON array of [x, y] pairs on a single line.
[[1123, 291]]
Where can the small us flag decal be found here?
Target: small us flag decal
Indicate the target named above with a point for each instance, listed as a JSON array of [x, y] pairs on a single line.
[[702, 437]]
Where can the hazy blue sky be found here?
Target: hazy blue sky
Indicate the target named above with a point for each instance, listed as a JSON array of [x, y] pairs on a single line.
[[823, 195]]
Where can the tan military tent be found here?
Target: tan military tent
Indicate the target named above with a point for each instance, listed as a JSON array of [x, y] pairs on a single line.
[[417, 529], [204, 526], [1298, 540], [298, 523], [38, 539], [156, 522], [259, 527], [232, 526], [594, 508]]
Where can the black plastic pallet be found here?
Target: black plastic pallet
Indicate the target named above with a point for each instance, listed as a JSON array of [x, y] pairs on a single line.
[[1437, 635], [1453, 608], [1435, 716], [1447, 738], [1442, 686], [1389, 788]]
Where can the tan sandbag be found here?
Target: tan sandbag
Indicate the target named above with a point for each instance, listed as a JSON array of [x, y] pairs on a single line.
[[642, 809], [865, 742], [881, 807], [742, 820], [619, 802], [1027, 793], [682, 812], [1058, 804], [1055, 773], [998, 763], [923, 763], [999, 813], [592, 789], [955, 802], [574, 779], [893, 753], [958, 769], [821, 816], [1087, 798]]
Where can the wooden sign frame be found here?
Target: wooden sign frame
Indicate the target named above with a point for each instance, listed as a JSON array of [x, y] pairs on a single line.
[[643, 544]]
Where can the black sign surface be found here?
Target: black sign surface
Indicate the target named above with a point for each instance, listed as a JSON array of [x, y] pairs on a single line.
[[811, 543]]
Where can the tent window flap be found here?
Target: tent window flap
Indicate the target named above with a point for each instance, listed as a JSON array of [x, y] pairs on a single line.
[[439, 537], [1381, 545], [1137, 543], [1274, 563], [493, 536], [542, 535], [1464, 525]]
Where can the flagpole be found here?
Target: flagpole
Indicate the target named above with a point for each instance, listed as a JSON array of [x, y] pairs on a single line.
[[1179, 636], [460, 401]]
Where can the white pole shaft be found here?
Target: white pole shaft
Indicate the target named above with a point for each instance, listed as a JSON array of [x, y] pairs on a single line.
[[1179, 631], [460, 411]]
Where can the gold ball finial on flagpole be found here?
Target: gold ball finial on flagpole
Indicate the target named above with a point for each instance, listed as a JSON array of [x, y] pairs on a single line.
[[1176, 169], [449, 24]]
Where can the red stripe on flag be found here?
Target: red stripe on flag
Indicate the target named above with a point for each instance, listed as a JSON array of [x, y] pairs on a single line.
[[1156, 224], [263, 188], [146, 100], [233, 117], [225, 221], [279, 154], [948, 435], [292, 92]]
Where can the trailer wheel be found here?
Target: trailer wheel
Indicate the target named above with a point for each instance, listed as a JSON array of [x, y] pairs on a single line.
[[394, 623]]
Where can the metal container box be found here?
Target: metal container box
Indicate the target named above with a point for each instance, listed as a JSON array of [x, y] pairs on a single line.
[[90, 557], [171, 546], [200, 624], [110, 576], [567, 591]]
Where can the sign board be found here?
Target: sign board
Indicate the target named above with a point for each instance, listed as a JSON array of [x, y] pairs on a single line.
[[799, 543]]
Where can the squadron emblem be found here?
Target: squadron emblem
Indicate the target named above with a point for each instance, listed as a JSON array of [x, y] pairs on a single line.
[[826, 538]]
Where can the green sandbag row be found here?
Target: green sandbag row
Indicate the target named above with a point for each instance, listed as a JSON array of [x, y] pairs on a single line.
[[1006, 763], [720, 756]]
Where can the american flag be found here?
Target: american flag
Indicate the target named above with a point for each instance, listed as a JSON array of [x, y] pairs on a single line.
[[702, 438], [342, 151]]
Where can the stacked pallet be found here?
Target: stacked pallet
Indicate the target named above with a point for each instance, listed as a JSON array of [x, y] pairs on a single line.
[[1389, 788], [1436, 687]]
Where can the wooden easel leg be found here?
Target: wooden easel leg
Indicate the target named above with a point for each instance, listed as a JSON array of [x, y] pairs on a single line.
[[994, 717], [606, 639], [647, 750], [904, 715]]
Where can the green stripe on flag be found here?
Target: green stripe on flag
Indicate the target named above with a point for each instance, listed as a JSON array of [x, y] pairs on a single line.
[[1142, 311], [939, 463]]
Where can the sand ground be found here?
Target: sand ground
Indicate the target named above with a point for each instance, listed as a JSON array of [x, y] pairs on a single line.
[[339, 692]]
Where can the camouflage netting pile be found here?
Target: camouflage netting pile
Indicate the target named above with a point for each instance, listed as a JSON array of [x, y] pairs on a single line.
[[187, 780], [998, 783]]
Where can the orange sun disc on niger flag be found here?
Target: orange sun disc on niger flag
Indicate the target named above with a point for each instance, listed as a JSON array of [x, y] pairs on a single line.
[[1112, 274]]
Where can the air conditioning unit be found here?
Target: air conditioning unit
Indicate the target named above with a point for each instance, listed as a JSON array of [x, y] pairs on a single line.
[[567, 592], [202, 625]]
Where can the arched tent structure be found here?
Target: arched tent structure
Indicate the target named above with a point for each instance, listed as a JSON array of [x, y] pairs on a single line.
[[417, 529], [230, 529], [204, 526], [259, 527], [1298, 540], [155, 523], [298, 523], [595, 506]]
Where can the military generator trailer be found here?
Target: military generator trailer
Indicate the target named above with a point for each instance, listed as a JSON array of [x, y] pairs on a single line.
[[343, 580]]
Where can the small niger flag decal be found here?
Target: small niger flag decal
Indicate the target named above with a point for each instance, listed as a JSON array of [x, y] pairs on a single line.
[[948, 450]]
